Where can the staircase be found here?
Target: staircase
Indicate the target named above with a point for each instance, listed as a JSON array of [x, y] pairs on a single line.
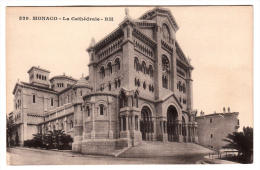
[[158, 149]]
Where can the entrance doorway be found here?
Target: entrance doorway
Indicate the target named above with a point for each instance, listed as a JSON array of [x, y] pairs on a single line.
[[146, 124], [172, 116]]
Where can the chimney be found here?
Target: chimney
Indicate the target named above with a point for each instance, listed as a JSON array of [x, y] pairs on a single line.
[[224, 110], [228, 109]]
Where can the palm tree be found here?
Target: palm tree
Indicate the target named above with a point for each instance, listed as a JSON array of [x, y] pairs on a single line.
[[243, 142], [56, 139]]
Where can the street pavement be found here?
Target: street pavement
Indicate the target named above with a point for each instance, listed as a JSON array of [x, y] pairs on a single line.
[[30, 156]]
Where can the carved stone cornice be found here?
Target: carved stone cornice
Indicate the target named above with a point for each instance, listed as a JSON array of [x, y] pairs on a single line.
[[143, 37], [166, 46], [106, 40], [110, 49], [145, 23], [100, 94], [34, 115], [144, 49], [28, 86], [181, 54]]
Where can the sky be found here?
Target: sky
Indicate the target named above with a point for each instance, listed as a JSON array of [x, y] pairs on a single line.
[[219, 41]]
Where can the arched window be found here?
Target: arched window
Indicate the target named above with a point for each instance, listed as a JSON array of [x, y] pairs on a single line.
[[119, 82], [136, 98], [165, 63], [143, 67], [115, 83], [37, 76], [88, 111], [40, 76], [53, 127], [123, 100], [166, 32], [71, 124], [144, 85], [109, 66], [102, 72], [34, 101], [101, 109], [117, 64], [136, 64], [184, 101], [102, 87], [184, 88], [179, 85], [109, 86], [138, 83], [62, 126], [150, 71], [165, 81], [51, 101]]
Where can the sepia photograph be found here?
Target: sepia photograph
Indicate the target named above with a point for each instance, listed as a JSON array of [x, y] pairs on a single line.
[[92, 85]]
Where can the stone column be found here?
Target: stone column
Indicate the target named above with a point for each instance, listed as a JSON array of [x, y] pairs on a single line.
[[126, 117], [122, 124], [138, 121], [187, 133], [133, 122], [83, 121], [65, 124], [57, 125], [162, 127], [43, 130], [93, 122], [190, 90], [180, 129], [110, 132]]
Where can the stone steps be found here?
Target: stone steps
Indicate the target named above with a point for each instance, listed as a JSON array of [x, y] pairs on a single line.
[[157, 149]]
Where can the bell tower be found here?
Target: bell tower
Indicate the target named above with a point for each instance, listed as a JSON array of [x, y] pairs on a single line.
[[39, 76]]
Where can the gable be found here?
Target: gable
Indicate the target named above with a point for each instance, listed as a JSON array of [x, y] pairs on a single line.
[[162, 12]]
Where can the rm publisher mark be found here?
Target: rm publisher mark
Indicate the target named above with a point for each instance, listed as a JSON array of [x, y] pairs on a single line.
[[52, 18]]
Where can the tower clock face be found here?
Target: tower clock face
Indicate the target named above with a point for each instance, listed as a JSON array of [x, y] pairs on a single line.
[[165, 63], [166, 33]]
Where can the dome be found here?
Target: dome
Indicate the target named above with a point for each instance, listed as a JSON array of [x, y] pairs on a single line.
[[82, 82]]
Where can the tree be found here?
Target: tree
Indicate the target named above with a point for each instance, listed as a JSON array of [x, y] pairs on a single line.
[[10, 128], [57, 139], [37, 140], [243, 142]]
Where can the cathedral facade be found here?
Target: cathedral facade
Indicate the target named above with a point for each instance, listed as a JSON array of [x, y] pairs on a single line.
[[139, 88]]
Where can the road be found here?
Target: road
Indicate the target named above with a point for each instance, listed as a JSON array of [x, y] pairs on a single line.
[[28, 156]]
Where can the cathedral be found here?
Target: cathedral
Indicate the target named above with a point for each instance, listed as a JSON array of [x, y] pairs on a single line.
[[139, 88]]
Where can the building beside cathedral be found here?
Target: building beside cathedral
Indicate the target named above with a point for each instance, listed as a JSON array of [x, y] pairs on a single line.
[[213, 128], [139, 88]]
